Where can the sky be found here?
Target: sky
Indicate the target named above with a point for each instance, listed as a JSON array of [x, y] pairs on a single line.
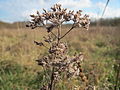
[[19, 10]]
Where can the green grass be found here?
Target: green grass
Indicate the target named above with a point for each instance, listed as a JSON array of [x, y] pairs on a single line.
[[16, 77]]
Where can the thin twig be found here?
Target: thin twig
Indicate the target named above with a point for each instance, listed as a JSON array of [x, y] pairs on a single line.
[[67, 32], [51, 31], [117, 78], [105, 8], [52, 80], [53, 34], [59, 33], [46, 47]]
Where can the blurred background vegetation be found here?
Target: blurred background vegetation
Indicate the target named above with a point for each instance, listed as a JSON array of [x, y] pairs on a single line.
[[100, 46]]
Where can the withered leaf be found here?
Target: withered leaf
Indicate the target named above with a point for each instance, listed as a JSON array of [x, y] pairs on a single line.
[[50, 28], [38, 43], [32, 15]]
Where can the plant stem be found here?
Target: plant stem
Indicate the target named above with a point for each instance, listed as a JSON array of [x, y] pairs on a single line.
[[53, 34], [52, 80], [51, 31], [67, 32], [59, 32], [117, 78]]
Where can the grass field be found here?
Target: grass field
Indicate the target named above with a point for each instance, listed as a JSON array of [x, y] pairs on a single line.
[[19, 71]]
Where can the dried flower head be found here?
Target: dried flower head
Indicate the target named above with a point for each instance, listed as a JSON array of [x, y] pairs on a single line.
[[59, 15], [58, 60]]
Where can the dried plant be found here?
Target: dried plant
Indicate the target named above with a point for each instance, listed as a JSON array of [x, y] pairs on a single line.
[[58, 60]]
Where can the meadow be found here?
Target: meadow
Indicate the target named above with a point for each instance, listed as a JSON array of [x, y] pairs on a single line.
[[19, 70]]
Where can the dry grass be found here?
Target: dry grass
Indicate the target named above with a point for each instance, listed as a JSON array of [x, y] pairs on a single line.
[[17, 46]]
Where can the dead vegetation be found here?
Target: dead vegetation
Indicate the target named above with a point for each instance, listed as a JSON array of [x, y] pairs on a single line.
[[100, 46]]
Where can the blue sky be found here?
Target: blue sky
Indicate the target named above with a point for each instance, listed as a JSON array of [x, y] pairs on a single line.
[[19, 10]]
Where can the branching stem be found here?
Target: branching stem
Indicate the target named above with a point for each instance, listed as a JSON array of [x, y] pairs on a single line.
[[53, 34], [51, 31], [67, 32], [59, 32]]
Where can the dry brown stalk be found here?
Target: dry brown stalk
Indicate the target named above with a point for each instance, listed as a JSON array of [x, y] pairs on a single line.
[[58, 60]]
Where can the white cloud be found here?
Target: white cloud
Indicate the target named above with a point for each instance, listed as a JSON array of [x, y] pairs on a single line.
[[71, 4], [100, 5], [76, 4], [35, 6], [26, 14], [16, 10], [112, 12], [92, 15]]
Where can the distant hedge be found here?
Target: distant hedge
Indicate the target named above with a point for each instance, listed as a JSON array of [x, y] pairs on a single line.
[[107, 22], [101, 22]]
